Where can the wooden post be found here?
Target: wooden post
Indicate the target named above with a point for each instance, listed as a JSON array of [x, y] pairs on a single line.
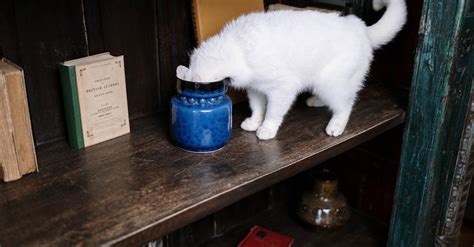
[[439, 106]]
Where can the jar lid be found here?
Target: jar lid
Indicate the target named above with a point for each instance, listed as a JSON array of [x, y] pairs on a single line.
[[189, 86]]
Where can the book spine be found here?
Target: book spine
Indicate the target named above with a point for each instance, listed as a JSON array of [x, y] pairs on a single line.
[[71, 105], [33, 161], [9, 169], [21, 125]]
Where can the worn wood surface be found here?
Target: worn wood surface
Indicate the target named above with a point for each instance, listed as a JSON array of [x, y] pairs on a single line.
[[359, 231], [136, 188], [458, 182], [438, 106], [367, 176]]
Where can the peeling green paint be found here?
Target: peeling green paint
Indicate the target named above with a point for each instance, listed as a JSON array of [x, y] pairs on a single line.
[[439, 99]]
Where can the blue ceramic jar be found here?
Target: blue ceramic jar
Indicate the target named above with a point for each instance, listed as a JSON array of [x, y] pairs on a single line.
[[201, 115]]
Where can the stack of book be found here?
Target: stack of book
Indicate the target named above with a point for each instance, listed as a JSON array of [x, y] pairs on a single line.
[[17, 150]]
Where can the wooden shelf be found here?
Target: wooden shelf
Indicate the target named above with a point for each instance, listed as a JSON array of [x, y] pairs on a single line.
[[361, 230], [139, 187]]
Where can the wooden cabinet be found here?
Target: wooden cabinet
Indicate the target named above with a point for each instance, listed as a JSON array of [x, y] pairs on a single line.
[[140, 188]]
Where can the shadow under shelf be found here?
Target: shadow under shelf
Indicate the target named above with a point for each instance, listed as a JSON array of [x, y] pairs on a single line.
[[360, 230]]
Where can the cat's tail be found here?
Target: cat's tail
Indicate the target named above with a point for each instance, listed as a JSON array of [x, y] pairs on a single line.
[[390, 24]]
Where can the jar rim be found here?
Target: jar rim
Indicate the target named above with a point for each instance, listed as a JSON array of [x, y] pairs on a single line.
[[183, 85]]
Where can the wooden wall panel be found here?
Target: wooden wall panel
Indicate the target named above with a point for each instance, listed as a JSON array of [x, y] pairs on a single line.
[[145, 32], [175, 41], [368, 174], [49, 32], [8, 33], [93, 19], [393, 63], [128, 28], [196, 233]]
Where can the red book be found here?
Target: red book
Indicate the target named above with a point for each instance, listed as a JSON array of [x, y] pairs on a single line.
[[261, 237]]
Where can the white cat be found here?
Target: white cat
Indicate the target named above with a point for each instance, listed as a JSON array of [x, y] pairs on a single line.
[[277, 55]]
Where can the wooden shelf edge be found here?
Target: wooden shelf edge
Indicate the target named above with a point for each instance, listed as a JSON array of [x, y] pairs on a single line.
[[198, 211], [137, 188]]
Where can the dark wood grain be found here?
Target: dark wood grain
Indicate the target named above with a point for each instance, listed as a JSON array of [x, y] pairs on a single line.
[[368, 180], [193, 234], [129, 28], [224, 220], [136, 188], [359, 231], [93, 21], [365, 179], [393, 63], [49, 32], [459, 176], [235, 214], [9, 35], [460, 181], [175, 42]]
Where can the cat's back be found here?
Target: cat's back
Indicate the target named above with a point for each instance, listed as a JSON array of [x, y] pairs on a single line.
[[298, 40], [291, 22]]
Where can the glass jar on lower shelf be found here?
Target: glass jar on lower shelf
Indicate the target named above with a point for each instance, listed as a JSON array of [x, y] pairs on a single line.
[[325, 206]]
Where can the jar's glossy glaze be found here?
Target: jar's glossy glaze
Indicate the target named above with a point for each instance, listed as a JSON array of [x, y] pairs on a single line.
[[324, 207], [201, 116]]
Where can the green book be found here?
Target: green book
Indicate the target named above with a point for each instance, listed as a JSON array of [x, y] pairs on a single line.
[[95, 99]]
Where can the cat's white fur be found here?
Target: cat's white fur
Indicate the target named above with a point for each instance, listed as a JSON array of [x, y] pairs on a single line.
[[277, 55]]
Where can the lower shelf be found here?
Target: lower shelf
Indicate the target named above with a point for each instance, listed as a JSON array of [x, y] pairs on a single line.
[[361, 230]]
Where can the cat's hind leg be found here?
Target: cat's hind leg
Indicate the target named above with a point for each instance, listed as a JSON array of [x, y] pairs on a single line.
[[341, 112], [340, 102], [257, 102], [339, 92], [340, 95]]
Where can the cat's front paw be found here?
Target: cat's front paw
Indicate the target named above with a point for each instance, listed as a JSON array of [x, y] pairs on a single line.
[[335, 128], [314, 101], [250, 125], [266, 133]]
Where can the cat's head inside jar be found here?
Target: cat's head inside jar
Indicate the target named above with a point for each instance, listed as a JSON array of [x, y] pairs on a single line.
[[214, 60], [206, 66]]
